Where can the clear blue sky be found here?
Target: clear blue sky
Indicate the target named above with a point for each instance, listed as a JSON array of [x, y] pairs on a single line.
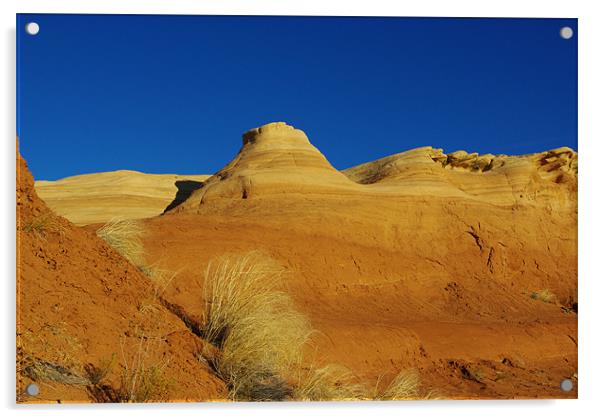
[[173, 94]]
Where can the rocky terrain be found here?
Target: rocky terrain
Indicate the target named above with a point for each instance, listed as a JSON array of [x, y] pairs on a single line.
[[420, 260]]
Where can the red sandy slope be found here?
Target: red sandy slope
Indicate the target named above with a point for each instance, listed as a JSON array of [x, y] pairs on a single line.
[[79, 304]]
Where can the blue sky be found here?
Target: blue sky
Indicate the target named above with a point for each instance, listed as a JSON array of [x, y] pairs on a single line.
[[173, 94]]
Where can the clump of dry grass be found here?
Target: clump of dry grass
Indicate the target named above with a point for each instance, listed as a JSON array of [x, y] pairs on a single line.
[[328, 383], [141, 381], [545, 295], [96, 374], [404, 386], [255, 325], [125, 236], [41, 225], [334, 382], [144, 385], [161, 278]]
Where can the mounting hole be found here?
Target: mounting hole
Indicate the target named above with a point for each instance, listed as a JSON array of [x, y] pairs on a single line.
[[32, 389], [566, 385], [32, 28], [566, 33]]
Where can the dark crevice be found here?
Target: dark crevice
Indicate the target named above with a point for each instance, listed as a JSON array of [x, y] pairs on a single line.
[[477, 239], [490, 259], [178, 311]]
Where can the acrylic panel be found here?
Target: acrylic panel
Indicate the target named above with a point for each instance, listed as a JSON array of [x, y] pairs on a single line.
[[275, 208]]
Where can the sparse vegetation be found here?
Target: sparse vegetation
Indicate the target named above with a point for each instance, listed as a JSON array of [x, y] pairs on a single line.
[[50, 354], [125, 236], [331, 382], [404, 386], [255, 325], [261, 337], [160, 277], [544, 295], [96, 374], [43, 224], [141, 381]]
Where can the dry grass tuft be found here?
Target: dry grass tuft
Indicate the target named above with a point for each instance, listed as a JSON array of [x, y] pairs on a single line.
[[255, 325], [44, 224], [141, 381], [125, 236], [161, 278], [97, 374], [405, 386], [544, 295], [328, 383]]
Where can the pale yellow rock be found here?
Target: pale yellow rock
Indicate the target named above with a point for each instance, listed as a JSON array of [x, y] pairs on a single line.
[[548, 179], [278, 162], [276, 159], [123, 194]]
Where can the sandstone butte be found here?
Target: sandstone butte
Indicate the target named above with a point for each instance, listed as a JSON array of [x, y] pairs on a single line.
[[420, 260]]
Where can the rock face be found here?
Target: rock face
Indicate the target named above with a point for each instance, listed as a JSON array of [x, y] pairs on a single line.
[[82, 308], [275, 159], [125, 194], [547, 178]]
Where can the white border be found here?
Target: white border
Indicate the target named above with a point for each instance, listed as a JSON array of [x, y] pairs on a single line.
[[590, 233]]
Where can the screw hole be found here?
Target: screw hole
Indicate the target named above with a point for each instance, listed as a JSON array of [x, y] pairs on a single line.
[[32, 28], [566, 33]]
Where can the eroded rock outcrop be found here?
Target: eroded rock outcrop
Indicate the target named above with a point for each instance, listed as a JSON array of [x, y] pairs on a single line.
[[548, 178], [275, 159]]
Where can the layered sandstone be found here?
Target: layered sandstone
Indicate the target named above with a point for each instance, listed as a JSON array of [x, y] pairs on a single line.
[[546, 178], [124, 194], [275, 159]]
